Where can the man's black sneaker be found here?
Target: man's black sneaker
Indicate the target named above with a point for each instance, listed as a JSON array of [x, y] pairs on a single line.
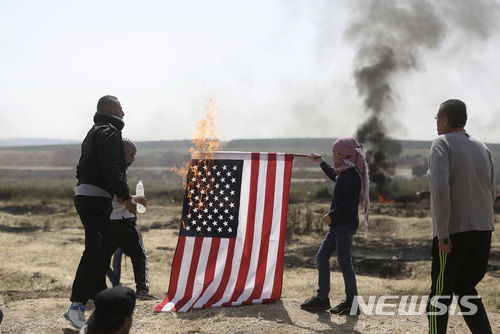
[[144, 295], [344, 308], [316, 304]]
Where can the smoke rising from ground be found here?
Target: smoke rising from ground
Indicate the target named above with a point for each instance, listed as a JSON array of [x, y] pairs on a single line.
[[391, 38]]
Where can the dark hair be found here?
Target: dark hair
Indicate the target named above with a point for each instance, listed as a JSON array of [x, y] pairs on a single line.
[[106, 102], [456, 111]]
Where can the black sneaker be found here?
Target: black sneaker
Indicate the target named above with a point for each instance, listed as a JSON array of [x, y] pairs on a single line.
[[316, 304], [344, 308], [144, 295]]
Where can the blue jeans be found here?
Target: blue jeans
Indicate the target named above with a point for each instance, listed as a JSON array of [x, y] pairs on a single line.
[[115, 273], [338, 238]]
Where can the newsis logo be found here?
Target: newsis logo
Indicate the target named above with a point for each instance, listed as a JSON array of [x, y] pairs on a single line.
[[413, 305]]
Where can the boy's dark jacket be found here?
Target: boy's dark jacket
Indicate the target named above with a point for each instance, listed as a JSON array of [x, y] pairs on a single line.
[[345, 199], [102, 162]]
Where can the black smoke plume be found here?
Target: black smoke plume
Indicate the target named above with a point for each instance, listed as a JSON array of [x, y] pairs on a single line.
[[390, 36]]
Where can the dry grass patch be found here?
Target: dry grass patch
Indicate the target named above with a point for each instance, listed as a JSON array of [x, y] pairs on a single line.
[[40, 253]]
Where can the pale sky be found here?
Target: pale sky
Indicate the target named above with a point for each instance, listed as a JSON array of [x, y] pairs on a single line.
[[276, 68]]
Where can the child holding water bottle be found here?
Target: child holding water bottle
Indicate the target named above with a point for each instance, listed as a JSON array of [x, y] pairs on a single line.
[[124, 235]]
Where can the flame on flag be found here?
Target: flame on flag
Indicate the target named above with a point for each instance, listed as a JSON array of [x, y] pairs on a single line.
[[205, 140], [232, 234]]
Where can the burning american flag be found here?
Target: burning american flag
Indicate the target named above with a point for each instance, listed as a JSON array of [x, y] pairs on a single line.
[[232, 234]]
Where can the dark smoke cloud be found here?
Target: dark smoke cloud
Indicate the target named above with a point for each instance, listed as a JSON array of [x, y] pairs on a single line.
[[392, 37]]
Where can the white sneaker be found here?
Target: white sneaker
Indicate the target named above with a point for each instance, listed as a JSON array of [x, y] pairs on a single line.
[[76, 315]]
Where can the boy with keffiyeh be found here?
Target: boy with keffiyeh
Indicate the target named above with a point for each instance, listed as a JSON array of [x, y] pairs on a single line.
[[350, 174]]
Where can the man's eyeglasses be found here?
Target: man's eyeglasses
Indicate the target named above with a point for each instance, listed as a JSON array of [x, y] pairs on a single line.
[[437, 117]]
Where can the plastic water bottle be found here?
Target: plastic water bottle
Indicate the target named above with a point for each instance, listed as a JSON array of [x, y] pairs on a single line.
[[139, 191]]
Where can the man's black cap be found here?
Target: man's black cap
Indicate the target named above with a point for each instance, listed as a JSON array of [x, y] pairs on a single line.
[[112, 305]]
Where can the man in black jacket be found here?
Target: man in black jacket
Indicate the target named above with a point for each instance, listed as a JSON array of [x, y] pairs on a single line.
[[100, 174]]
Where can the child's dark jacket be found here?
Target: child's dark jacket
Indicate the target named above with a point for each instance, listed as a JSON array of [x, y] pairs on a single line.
[[345, 199]]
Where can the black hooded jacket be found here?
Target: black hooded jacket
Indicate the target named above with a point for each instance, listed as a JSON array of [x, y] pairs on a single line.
[[102, 162]]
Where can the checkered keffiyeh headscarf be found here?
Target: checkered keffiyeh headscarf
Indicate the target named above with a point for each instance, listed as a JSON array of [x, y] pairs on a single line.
[[356, 159], [129, 146]]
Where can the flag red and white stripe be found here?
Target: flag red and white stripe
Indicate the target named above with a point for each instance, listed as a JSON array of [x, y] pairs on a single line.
[[247, 268]]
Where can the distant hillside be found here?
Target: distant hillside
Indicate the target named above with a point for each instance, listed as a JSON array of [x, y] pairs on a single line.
[[16, 142], [169, 153], [155, 159], [57, 153]]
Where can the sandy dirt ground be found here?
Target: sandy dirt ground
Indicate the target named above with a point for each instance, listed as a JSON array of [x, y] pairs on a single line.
[[40, 247]]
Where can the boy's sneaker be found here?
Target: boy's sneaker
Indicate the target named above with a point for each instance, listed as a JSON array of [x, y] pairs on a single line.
[[316, 304], [144, 295], [76, 315], [344, 308]]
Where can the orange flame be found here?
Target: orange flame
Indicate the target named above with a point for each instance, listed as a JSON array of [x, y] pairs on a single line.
[[204, 138], [204, 141], [383, 199]]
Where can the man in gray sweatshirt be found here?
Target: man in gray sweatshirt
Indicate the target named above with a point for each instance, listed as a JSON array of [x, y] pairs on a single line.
[[462, 185]]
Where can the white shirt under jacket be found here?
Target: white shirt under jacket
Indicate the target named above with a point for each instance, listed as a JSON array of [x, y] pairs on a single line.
[[119, 211], [462, 185]]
